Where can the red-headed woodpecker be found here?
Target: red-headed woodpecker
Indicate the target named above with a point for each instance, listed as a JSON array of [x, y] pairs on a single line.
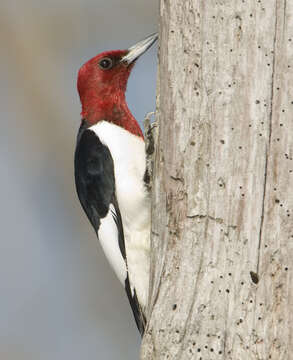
[[110, 167]]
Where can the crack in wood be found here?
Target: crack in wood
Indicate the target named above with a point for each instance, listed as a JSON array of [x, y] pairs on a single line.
[[269, 144], [177, 178], [201, 216], [216, 219]]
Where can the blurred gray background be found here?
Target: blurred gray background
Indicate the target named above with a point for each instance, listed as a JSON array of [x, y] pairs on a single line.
[[58, 296]]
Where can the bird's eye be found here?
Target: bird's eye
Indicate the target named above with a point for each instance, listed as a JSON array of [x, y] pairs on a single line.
[[106, 63]]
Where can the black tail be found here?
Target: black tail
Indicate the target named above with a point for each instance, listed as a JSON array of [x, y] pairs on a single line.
[[136, 309]]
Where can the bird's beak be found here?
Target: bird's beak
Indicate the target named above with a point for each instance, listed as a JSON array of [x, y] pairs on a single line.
[[138, 49]]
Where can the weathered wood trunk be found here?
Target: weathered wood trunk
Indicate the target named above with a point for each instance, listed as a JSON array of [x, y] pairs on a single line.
[[222, 215]]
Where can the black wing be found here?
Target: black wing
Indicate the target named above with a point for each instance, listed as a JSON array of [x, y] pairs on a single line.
[[95, 185]]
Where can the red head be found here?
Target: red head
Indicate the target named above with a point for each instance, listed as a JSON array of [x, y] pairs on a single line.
[[102, 84]]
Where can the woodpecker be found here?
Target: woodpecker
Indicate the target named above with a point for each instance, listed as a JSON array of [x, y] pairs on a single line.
[[110, 168]]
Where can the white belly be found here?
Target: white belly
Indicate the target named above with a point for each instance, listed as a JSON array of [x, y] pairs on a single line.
[[128, 154]]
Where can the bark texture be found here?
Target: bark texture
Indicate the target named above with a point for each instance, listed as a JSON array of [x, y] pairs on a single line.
[[222, 230]]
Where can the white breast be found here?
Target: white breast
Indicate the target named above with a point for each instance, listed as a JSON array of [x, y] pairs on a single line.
[[128, 154]]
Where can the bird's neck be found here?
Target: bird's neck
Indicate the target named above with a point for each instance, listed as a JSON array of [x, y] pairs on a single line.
[[112, 108]]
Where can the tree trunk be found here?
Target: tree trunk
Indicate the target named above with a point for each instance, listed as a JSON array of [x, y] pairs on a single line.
[[222, 230]]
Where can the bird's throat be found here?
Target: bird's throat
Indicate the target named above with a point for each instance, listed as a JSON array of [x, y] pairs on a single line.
[[113, 109]]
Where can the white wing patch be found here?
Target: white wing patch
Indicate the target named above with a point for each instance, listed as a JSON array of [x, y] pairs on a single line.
[[108, 236]]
